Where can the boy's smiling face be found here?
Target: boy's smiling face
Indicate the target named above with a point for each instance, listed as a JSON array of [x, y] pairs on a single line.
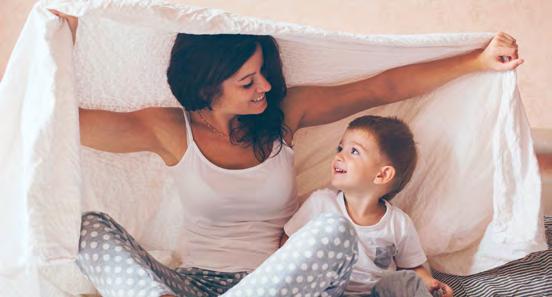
[[358, 162]]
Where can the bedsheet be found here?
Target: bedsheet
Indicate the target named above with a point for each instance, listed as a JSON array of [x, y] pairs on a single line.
[[475, 196]]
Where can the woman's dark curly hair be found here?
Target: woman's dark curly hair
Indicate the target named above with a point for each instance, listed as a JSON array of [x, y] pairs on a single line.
[[200, 63]]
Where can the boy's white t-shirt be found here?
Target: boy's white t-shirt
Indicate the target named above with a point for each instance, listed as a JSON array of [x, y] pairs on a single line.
[[392, 242]]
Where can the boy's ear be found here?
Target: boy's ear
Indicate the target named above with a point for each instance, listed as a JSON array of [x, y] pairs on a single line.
[[385, 175]]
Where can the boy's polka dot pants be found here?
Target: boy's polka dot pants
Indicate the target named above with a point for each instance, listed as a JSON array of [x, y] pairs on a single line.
[[316, 261]]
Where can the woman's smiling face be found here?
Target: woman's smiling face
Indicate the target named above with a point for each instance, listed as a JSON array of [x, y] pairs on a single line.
[[245, 91]]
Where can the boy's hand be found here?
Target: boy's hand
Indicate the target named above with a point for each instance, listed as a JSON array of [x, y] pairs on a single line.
[[435, 286]]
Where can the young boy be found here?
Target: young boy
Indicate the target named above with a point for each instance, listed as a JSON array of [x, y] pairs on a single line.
[[374, 161]]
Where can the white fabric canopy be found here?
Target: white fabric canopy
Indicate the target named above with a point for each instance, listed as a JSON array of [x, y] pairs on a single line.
[[475, 196]]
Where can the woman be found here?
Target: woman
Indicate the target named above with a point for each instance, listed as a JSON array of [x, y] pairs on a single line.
[[234, 134]]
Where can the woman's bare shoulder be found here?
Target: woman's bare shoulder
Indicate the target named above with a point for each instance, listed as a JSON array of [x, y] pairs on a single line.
[[168, 126], [292, 109]]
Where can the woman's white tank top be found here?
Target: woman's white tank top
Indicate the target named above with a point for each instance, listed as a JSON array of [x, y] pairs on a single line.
[[233, 218]]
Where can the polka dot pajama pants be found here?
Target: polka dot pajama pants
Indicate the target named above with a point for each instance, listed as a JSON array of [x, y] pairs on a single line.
[[316, 261]]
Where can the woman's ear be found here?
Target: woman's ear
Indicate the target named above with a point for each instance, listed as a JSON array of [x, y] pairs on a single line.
[[385, 175]]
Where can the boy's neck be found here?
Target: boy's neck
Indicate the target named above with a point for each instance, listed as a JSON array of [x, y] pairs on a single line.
[[365, 209]]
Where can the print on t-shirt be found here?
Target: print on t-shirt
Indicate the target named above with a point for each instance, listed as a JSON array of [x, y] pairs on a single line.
[[384, 256]]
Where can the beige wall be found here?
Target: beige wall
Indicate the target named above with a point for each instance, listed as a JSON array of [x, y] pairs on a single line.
[[528, 20]]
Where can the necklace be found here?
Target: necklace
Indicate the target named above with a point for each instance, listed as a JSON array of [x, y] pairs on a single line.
[[211, 127]]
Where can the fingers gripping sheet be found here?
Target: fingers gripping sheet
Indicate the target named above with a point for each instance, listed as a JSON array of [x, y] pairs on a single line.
[[475, 196]]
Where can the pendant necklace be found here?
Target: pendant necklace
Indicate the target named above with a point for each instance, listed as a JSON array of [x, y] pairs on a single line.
[[211, 127]]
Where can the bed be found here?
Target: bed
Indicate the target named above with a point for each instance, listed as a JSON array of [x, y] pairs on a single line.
[[529, 276]]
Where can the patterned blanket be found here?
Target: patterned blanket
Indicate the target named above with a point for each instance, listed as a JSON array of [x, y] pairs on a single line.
[[530, 276]]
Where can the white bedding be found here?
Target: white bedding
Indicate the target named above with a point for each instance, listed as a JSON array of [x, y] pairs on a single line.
[[475, 196]]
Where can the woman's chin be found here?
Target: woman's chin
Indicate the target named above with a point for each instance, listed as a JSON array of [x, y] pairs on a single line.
[[257, 107]]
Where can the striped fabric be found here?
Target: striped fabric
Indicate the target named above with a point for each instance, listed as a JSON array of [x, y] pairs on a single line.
[[530, 276]]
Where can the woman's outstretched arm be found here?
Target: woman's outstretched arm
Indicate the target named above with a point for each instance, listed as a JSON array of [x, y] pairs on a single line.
[[310, 105]]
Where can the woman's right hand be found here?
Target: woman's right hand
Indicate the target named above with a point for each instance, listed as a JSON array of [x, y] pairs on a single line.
[[71, 20]]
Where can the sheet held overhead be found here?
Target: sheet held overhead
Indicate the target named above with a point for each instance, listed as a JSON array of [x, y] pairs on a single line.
[[475, 196]]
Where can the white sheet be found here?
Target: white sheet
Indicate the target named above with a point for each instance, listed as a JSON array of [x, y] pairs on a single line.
[[475, 196]]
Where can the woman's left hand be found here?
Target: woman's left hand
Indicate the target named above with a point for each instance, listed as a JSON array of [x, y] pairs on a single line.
[[500, 54]]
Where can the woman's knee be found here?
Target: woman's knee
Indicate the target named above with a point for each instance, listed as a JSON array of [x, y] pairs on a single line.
[[90, 218], [336, 228], [98, 232], [102, 241], [332, 233]]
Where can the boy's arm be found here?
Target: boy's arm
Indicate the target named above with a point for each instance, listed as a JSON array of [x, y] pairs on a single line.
[[411, 254], [431, 283]]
